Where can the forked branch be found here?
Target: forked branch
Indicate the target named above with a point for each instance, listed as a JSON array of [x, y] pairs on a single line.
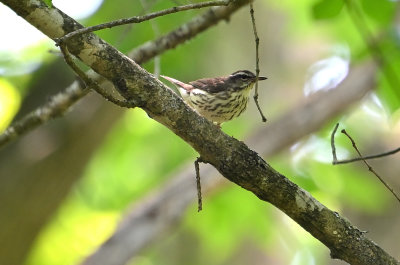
[[335, 161]]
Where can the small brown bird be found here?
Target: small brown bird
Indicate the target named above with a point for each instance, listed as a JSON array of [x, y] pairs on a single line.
[[218, 99]]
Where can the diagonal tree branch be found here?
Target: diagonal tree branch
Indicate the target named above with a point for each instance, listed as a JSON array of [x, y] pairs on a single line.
[[89, 82], [232, 158], [61, 102], [156, 213]]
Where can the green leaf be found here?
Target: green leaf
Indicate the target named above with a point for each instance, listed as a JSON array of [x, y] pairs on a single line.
[[381, 11], [49, 3], [326, 9]]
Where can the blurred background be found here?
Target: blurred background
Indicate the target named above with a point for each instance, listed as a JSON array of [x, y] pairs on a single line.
[[66, 185]]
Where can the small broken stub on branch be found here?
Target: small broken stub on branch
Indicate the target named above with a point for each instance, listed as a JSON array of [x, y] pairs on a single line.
[[198, 184]]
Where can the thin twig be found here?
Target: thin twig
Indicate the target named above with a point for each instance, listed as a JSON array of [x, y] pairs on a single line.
[[198, 184], [335, 161], [156, 30], [369, 157], [369, 167], [91, 83], [257, 40], [139, 19], [334, 157]]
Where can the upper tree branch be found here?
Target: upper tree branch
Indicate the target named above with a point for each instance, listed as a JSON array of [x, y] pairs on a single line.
[[62, 101], [232, 158], [139, 19]]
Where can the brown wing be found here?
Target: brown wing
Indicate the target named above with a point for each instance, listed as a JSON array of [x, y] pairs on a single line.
[[210, 85]]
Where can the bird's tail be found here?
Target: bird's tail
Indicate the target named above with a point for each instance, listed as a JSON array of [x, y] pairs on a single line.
[[178, 83]]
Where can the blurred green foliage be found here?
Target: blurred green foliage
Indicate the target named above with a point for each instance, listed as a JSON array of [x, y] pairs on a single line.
[[9, 103], [327, 9], [111, 184], [382, 12], [139, 154]]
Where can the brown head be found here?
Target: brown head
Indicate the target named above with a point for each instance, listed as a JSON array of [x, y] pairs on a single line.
[[242, 79]]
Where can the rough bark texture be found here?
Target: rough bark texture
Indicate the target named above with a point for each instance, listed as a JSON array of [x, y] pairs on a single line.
[[232, 158]]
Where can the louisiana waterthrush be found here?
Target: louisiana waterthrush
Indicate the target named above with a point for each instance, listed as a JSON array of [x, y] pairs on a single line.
[[218, 99]]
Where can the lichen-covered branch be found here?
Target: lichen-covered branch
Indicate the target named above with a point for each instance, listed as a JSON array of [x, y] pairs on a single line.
[[90, 83], [232, 158], [152, 216]]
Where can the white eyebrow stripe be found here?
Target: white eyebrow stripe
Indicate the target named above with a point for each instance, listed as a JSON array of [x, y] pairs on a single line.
[[242, 73]]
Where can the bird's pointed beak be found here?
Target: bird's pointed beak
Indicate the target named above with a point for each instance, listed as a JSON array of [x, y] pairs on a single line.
[[262, 78]]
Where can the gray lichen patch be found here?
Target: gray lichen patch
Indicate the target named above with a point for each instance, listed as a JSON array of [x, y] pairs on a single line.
[[47, 20], [304, 201], [88, 52]]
